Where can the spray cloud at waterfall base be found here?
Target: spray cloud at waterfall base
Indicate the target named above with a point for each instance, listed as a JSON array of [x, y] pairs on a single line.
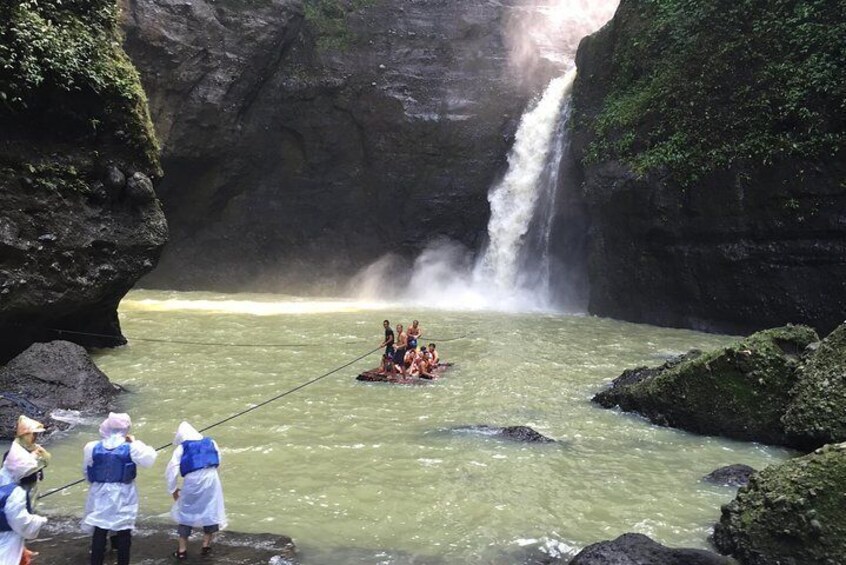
[[513, 271]]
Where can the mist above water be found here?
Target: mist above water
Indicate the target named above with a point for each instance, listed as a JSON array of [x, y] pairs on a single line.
[[512, 271]]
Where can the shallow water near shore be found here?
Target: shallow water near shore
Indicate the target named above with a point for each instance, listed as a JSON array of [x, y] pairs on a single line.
[[365, 473]]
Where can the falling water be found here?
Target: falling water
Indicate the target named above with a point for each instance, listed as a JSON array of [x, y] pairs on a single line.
[[513, 270], [523, 204]]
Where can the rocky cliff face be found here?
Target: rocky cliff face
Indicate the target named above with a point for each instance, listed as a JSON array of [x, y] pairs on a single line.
[[304, 139], [712, 148], [79, 221]]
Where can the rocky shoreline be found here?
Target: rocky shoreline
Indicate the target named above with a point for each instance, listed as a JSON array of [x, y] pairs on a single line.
[[781, 386], [62, 543]]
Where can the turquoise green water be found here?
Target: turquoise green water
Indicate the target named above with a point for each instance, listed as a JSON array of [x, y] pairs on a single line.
[[359, 472]]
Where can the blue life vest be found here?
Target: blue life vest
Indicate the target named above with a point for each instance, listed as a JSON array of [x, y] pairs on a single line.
[[5, 493], [112, 465], [198, 454]]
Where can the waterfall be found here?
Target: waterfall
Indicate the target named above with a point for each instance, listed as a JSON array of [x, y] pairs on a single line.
[[523, 203], [513, 271]]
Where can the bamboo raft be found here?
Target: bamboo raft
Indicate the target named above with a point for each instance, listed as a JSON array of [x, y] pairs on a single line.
[[375, 376]]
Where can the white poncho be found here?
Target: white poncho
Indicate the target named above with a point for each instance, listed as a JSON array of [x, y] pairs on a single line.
[[19, 463], [114, 506], [201, 496]]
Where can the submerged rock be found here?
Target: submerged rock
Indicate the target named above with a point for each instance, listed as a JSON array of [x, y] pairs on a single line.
[[741, 391], [789, 514], [817, 412], [50, 376], [523, 434], [638, 549], [730, 476], [61, 543]]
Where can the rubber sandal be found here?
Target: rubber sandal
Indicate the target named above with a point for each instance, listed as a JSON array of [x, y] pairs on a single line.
[[206, 550], [180, 555]]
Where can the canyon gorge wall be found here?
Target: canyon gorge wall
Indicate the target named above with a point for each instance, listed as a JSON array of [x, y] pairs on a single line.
[[711, 142]]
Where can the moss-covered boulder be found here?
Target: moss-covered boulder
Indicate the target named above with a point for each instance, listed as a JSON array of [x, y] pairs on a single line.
[[817, 413], [741, 391], [79, 221], [790, 514]]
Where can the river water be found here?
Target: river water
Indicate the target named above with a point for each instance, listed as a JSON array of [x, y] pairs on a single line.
[[367, 473]]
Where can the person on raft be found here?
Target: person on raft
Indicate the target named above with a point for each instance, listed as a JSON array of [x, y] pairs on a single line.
[[199, 503], [110, 466], [399, 351], [17, 522], [388, 344], [434, 353], [414, 334]]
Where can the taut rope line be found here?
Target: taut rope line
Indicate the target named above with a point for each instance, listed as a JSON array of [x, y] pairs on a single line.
[[241, 413]]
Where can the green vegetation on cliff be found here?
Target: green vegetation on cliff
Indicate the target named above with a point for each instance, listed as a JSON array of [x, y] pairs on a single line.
[[64, 76], [700, 86], [328, 21], [789, 513]]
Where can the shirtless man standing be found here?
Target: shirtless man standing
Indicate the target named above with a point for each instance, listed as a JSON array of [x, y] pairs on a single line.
[[399, 352], [414, 334]]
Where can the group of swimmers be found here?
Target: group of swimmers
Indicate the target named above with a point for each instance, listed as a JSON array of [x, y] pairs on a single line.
[[110, 467], [402, 356]]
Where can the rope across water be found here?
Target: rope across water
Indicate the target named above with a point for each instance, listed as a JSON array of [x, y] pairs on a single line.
[[251, 408]]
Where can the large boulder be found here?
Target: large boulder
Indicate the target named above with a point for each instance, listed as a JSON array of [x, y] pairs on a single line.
[[49, 376], [741, 391], [637, 549], [789, 514], [79, 223], [817, 412]]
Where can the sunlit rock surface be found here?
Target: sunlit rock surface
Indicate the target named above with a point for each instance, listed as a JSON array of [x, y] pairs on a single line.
[[300, 141]]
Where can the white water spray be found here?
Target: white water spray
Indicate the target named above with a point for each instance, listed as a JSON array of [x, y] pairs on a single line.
[[513, 272], [532, 178]]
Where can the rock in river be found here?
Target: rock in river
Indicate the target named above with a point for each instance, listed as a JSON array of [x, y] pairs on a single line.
[[789, 514], [637, 549], [730, 476], [47, 376], [523, 434], [817, 412], [741, 391]]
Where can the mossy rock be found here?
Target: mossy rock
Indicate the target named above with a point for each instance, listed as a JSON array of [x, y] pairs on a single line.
[[741, 391], [817, 413], [790, 514]]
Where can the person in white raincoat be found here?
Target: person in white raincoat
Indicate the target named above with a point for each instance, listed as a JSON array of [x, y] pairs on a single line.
[[110, 466], [199, 503], [17, 522]]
